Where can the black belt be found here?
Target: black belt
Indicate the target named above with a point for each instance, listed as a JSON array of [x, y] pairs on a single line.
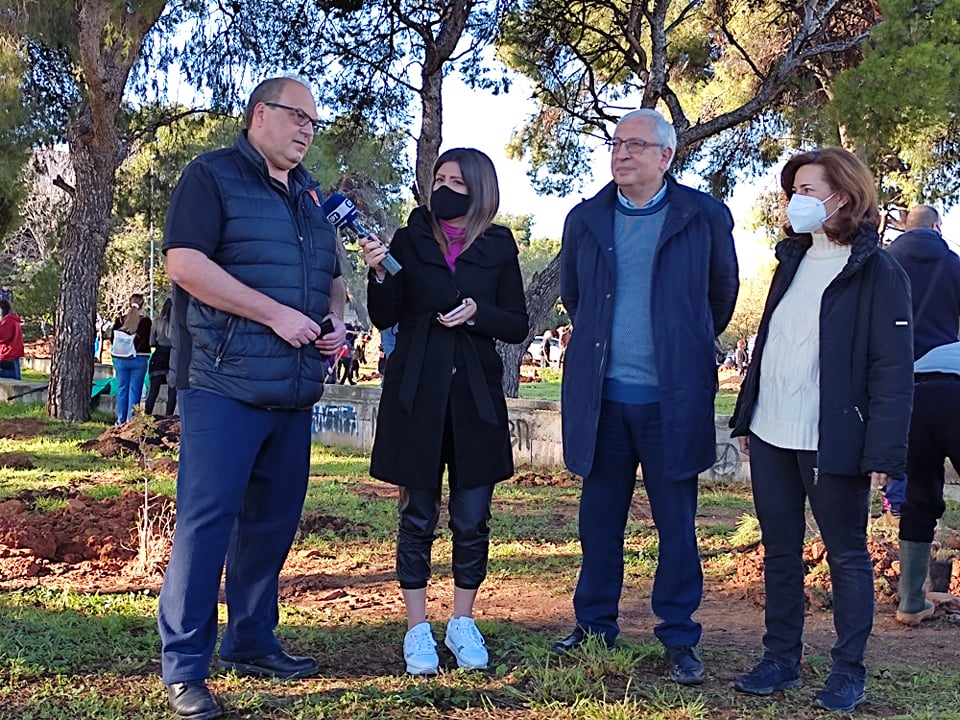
[[936, 377]]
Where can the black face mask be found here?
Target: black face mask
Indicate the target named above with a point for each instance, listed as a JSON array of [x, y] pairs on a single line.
[[448, 204]]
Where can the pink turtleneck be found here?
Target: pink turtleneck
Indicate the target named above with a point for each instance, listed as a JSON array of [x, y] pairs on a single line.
[[455, 235]]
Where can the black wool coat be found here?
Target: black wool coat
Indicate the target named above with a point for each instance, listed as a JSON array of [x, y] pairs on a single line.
[[866, 359], [436, 373]]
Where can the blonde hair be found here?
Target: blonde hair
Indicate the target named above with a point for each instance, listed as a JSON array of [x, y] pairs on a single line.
[[132, 319], [480, 177]]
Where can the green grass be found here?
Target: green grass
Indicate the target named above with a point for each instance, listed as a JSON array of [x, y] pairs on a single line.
[[31, 375], [94, 656]]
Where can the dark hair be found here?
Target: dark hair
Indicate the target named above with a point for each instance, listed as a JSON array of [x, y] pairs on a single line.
[[162, 326], [481, 180], [4, 307], [269, 90], [846, 174]]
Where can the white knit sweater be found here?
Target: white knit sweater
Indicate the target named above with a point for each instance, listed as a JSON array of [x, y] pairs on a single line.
[[787, 413]]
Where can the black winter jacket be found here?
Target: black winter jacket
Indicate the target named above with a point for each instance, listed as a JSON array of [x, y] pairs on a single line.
[[442, 380], [866, 359], [934, 273]]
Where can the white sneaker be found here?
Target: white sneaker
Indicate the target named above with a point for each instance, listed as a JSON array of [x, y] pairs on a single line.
[[420, 650], [466, 643]]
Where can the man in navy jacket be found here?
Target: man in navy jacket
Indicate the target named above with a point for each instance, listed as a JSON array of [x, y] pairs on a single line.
[[254, 262], [649, 278], [934, 273]]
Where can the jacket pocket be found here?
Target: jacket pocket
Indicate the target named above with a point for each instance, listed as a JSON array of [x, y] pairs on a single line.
[[225, 341]]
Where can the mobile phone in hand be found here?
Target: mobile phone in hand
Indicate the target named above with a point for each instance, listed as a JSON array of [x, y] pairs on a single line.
[[451, 313], [326, 327]]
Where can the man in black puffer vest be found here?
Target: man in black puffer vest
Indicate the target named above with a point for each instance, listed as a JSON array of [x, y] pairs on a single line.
[[254, 262]]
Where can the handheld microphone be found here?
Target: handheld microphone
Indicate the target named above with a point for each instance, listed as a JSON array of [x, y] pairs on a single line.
[[343, 215]]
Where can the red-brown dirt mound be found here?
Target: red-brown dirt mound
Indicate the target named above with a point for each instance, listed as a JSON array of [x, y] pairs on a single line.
[[15, 461], [886, 567], [85, 530], [145, 438], [21, 428]]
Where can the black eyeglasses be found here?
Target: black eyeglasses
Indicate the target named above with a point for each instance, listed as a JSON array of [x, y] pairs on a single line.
[[635, 146], [299, 116]]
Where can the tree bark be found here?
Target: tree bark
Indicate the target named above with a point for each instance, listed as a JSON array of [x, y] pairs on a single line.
[[541, 296], [96, 150]]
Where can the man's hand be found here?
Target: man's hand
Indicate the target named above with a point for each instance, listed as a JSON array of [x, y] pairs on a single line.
[[294, 327], [744, 442], [330, 343]]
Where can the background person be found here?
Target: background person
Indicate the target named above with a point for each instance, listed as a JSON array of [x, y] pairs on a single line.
[[130, 349], [254, 264], [442, 404], [11, 341], [648, 275], [159, 365], [823, 411], [934, 273]]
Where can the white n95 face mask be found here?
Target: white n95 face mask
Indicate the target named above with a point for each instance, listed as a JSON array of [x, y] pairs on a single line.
[[807, 213]]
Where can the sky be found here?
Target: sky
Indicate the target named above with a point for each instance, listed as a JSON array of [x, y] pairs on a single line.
[[476, 118]]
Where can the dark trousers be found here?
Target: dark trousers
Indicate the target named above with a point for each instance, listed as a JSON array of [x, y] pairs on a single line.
[[782, 482], [154, 393], [419, 510], [934, 436], [240, 491], [469, 523], [628, 435]]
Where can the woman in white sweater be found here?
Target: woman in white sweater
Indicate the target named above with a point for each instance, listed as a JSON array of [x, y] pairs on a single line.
[[824, 411]]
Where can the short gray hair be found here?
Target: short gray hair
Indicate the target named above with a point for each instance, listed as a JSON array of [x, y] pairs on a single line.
[[664, 132], [270, 90]]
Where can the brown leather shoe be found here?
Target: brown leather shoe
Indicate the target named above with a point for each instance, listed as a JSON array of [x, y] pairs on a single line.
[[192, 700]]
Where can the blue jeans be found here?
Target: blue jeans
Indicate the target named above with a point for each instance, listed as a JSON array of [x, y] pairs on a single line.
[[628, 435], [13, 373], [130, 373], [782, 481], [240, 490]]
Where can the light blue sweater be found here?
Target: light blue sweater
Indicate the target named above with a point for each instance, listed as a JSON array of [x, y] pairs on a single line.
[[631, 374]]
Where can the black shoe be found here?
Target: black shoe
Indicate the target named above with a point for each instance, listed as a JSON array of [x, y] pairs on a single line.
[[575, 639], [767, 677], [840, 693], [193, 701], [278, 665], [685, 665]]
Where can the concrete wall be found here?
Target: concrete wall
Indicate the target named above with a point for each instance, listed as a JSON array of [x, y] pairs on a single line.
[[347, 417]]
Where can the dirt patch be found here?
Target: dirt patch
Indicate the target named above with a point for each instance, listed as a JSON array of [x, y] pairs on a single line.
[[21, 428], [339, 526], [15, 461], [546, 479], [886, 564], [150, 439], [86, 530]]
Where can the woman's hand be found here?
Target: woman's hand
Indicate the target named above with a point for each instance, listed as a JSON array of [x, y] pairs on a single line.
[[460, 314], [744, 442], [374, 252], [878, 480]]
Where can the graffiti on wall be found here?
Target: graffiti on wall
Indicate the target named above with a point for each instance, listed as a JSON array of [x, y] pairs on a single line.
[[339, 419], [520, 436]]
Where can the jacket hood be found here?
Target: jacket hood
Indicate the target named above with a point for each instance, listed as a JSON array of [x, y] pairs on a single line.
[[922, 244], [14, 317]]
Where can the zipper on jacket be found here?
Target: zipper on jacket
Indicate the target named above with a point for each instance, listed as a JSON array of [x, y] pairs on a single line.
[[859, 414], [222, 348]]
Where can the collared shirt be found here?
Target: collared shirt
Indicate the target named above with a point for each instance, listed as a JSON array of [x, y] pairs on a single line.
[[652, 201]]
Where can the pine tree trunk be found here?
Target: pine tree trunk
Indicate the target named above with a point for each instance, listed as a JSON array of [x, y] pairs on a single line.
[[541, 296], [74, 326]]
